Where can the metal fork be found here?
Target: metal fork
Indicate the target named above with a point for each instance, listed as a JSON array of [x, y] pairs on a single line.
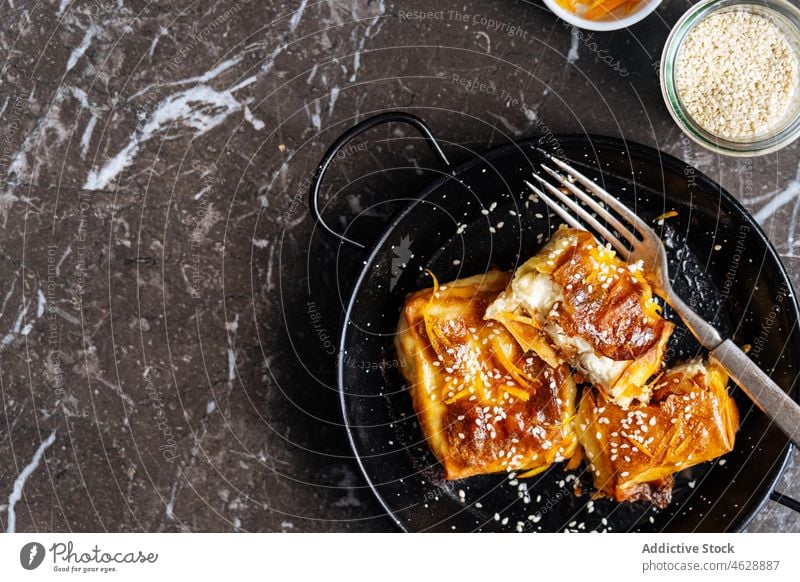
[[643, 244]]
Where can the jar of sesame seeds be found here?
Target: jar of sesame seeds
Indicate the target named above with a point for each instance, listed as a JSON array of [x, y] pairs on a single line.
[[730, 75]]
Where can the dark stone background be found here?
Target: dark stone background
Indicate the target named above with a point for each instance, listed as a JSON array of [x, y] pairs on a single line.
[[155, 163]]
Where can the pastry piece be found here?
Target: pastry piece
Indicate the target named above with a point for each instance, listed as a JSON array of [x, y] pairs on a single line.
[[633, 453], [576, 302], [484, 404]]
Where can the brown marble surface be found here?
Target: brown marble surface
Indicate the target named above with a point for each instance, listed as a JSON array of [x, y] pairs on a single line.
[[158, 367]]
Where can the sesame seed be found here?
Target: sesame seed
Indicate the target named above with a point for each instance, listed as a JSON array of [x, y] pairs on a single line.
[[736, 74]]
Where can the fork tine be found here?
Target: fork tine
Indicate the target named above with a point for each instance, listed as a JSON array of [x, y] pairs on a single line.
[[555, 207], [626, 212], [592, 203], [582, 213]]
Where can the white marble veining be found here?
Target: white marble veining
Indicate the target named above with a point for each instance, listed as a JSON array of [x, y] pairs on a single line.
[[298, 14], [373, 27], [233, 327], [23, 325], [91, 32], [573, 55], [50, 132], [86, 137], [7, 296], [201, 108], [19, 483], [789, 195], [209, 75], [779, 199], [161, 32]]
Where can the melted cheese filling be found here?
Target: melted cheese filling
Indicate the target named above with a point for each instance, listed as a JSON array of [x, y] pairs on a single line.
[[601, 370], [538, 293]]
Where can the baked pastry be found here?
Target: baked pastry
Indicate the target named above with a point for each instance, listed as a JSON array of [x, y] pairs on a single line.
[[576, 302], [633, 453], [484, 404]]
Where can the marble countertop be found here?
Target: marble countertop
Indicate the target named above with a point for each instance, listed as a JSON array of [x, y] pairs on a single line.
[[159, 370]]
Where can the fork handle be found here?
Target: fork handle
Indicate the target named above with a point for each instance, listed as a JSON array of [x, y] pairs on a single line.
[[761, 389]]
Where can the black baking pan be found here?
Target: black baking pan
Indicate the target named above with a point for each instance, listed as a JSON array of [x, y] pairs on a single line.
[[723, 266]]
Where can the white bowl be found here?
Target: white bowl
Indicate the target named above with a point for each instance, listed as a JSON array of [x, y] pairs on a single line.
[[645, 7]]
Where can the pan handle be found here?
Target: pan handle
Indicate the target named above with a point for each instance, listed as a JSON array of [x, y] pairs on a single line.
[[785, 500], [347, 136]]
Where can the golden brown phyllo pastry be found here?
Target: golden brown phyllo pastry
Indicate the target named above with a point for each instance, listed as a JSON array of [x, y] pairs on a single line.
[[488, 361], [485, 404], [576, 302], [634, 452]]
